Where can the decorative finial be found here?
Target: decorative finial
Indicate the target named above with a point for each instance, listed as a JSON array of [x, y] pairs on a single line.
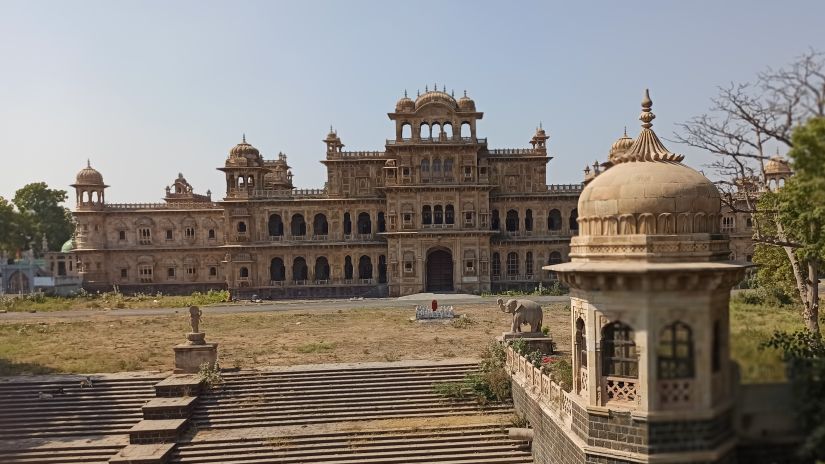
[[625, 131], [647, 116], [540, 125], [426, 88], [435, 86], [88, 163], [444, 88], [405, 93], [417, 92], [452, 93], [465, 92], [244, 137]]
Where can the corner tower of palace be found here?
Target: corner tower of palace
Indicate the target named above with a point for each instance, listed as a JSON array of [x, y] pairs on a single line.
[[435, 210]]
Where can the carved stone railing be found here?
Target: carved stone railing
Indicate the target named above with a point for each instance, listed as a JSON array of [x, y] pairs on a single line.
[[446, 140], [543, 387], [281, 194], [512, 151], [565, 188], [175, 205], [356, 154], [620, 389]]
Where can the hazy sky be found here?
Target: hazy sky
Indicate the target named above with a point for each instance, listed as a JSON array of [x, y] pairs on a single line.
[[149, 89]]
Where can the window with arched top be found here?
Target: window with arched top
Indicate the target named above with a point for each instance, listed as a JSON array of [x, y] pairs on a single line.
[[424, 131], [275, 225], [466, 131], [406, 131], [528, 220], [581, 343], [298, 226], [277, 270], [244, 273], [438, 214], [348, 268], [494, 221], [448, 167], [449, 214], [496, 265], [436, 167], [574, 219], [365, 267], [321, 268], [619, 357], [674, 355], [241, 227], [512, 264], [554, 220], [448, 132], [320, 226], [425, 167], [528, 264], [426, 214], [511, 222], [554, 258], [299, 269]]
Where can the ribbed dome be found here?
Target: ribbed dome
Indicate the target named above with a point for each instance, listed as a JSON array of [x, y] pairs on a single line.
[[619, 147], [649, 191], [244, 150], [405, 104], [466, 103], [89, 176], [435, 96], [777, 165]]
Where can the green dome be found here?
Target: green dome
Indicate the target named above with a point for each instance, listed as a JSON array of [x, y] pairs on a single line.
[[67, 247]]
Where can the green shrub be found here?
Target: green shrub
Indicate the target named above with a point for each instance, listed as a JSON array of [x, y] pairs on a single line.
[[210, 375]]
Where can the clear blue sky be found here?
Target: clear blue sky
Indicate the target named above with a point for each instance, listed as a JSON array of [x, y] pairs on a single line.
[[147, 89]]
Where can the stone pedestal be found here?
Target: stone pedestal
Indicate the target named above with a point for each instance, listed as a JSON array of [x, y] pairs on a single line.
[[535, 340], [189, 356]]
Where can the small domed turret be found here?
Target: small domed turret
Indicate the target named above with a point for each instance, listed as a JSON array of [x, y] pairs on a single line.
[[466, 103], [619, 147], [89, 176], [405, 104], [777, 165], [245, 150]]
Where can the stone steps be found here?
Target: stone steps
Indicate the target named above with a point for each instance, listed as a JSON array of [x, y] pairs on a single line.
[[474, 444], [110, 406], [62, 455], [280, 398]]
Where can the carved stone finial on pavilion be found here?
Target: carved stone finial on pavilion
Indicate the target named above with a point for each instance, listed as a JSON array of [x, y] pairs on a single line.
[[647, 146], [647, 115], [405, 93], [244, 137], [89, 162]]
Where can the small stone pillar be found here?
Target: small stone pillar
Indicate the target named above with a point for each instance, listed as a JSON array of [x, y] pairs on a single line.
[[190, 355]]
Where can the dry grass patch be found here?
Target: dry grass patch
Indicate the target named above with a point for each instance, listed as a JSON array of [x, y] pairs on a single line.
[[111, 343]]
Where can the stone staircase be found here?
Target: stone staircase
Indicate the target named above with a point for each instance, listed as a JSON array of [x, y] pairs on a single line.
[[267, 399], [376, 413], [457, 445], [52, 419]]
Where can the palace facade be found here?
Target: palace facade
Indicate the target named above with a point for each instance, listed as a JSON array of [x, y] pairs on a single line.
[[436, 210]]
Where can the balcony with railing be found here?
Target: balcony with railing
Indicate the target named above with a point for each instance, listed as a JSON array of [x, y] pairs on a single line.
[[565, 188], [437, 140], [277, 194], [513, 151], [364, 154]]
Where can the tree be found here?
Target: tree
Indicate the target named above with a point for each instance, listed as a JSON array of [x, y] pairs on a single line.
[[743, 122], [41, 216]]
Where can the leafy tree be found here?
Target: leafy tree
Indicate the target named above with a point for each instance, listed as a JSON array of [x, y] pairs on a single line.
[[743, 122], [42, 216]]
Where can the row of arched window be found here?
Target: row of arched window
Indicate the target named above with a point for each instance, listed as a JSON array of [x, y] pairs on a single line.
[[435, 169], [300, 269], [513, 266], [674, 355], [512, 221], [435, 130], [320, 225], [438, 214]]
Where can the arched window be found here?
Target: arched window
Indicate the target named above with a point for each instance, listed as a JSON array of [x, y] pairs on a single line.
[[511, 222], [554, 220], [298, 226], [555, 258], [494, 222], [466, 131], [528, 220], [299, 269], [435, 130], [512, 263], [244, 273], [242, 227], [437, 167], [675, 354], [448, 132], [619, 351], [528, 263], [277, 271], [347, 224], [496, 265], [424, 131], [321, 268], [448, 167], [449, 214], [275, 225], [365, 267], [348, 268], [438, 213], [581, 342], [211, 234], [382, 223], [364, 223], [574, 220], [425, 168], [426, 215], [320, 226], [382, 269], [406, 131]]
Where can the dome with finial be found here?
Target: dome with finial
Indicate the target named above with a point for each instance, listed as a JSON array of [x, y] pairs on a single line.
[[648, 191], [245, 150], [89, 176], [435, 96], [405, 104], [777, 165], [620, 146], [466, 103]]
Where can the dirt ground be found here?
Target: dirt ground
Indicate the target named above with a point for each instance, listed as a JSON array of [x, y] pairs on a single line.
[[111, 344]]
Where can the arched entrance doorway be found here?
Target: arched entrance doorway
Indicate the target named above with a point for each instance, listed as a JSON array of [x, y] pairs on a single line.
[[439, 271]]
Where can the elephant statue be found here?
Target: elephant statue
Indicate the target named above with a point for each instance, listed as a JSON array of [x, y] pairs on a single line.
[[524, 312]]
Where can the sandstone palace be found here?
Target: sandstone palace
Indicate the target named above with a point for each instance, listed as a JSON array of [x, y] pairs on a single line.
[[436, 210]]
